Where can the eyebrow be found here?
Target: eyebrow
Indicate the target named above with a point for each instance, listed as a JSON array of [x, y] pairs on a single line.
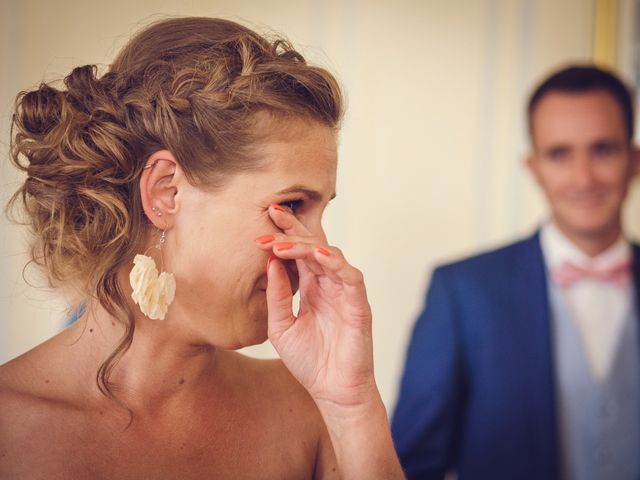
[[612, 142], [310, 193], [560, 147]]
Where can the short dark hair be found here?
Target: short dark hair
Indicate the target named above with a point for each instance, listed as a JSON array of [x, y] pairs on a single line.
[[581, 79]]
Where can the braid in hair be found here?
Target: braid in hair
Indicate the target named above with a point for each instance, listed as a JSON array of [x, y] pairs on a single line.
[[193, 86]]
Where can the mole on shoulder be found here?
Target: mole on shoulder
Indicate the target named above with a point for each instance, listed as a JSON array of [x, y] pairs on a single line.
[[290, 410], [181, 381], [46, 380], [91, 330]]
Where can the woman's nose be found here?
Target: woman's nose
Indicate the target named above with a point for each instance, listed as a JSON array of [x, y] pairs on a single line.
[[316, 228]]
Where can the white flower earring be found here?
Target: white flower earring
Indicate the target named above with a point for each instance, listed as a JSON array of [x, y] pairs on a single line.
[[152, 292]]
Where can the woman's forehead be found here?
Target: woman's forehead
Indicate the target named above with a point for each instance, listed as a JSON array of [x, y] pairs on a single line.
[[298, 144]]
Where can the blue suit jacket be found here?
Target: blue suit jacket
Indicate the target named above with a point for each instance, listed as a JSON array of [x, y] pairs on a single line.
[[478, 393]]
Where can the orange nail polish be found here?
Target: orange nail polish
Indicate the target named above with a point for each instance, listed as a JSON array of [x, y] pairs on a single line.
[[282, 246], [323, 252], [265, 238], [278, 207]]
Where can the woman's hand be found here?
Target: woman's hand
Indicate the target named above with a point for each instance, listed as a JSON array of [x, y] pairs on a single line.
[[328, 345]]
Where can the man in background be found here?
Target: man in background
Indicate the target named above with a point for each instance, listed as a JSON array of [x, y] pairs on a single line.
[[525, 363]]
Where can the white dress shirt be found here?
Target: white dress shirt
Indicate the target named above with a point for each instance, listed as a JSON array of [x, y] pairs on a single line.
[[597, 307]]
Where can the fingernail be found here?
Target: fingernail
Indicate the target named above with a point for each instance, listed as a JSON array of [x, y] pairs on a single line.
[[272, 257], [323, 252], [278, 207], [265, 238], [282, 246]]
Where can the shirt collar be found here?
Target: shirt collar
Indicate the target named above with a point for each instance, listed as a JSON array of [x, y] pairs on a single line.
[[557, 248]]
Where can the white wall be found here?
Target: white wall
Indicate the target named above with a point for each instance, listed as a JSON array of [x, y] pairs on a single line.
[[432, 147]]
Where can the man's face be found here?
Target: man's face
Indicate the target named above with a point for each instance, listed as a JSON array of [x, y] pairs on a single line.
[[583, 161]]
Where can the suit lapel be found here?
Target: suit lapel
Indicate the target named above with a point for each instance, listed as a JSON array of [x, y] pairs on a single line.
[[534, 335], [636, 274]]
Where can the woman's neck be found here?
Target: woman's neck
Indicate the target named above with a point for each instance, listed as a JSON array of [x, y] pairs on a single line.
[[160, 366]]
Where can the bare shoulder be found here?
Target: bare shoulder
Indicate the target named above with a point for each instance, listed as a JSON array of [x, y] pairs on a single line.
[[20, 378], [32, 387], [19, 408], [32, 373]]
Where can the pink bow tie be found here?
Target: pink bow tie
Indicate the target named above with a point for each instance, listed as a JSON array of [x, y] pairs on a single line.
[[569, 273]]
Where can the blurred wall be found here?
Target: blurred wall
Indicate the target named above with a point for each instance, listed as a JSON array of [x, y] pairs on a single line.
[[431, 151]]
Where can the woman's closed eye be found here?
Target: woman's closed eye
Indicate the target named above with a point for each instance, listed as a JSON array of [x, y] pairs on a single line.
[[293, 205]]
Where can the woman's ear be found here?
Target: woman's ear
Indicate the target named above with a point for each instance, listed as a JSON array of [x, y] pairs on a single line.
[[159, 187]]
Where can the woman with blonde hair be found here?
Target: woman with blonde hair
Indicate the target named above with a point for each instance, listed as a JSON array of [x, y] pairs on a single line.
[[181, 195]]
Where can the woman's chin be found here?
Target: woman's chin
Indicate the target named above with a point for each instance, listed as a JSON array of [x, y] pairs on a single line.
[[247, 340], [256, 341], [255, 332]]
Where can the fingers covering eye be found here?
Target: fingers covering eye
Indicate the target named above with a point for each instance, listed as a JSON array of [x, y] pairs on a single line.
[[286, 221]]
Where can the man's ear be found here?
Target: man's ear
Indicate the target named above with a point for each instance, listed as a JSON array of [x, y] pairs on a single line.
[[635, 161], [159, 187], [532, 166]]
